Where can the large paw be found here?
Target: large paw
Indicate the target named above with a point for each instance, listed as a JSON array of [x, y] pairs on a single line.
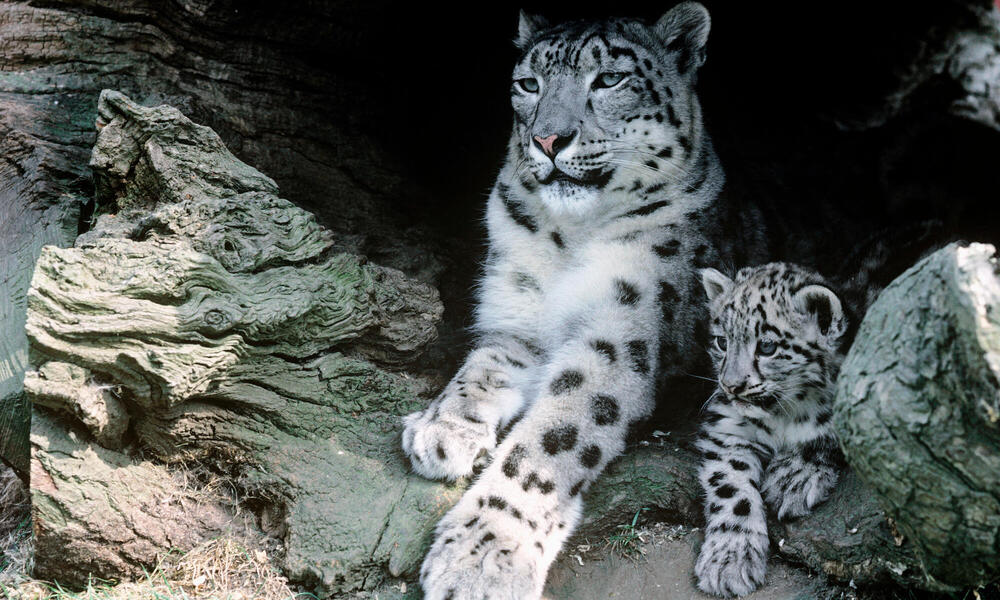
[[796, 491], [732, 564], [441, 446], [480, 554]]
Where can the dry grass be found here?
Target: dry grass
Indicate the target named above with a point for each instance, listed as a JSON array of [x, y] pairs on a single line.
[[15, 529], [221, 569]]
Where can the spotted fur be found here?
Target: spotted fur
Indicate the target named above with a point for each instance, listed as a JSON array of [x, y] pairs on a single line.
[[587, 296], [766, 437]]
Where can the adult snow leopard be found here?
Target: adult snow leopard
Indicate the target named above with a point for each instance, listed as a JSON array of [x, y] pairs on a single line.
[[589, 295], [766, 438]]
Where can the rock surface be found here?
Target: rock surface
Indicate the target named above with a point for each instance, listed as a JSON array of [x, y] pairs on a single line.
[[918, 411]]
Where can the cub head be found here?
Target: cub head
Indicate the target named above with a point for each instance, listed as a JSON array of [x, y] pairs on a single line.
[[776, 331], [606, 105]]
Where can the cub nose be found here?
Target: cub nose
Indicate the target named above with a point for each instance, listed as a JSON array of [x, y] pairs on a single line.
[[554, 143]]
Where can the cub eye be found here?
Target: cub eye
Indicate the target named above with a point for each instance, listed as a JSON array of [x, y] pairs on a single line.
[[528, 84], [606, 80], [766, 347], [720, 342]]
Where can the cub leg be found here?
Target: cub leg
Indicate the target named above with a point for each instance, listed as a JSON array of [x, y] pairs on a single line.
[[799, 479], [733, 558]]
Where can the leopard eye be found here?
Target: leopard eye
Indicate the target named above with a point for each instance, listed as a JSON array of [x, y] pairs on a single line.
[[766, 347], [528, 84], [720, 342], [607, 80]]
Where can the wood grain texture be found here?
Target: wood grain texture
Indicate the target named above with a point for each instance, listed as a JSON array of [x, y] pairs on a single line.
[[918, 411]]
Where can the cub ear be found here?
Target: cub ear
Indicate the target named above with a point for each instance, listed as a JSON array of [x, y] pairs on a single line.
[[684, 31], [527, 27], [715, 283], [824, 306]]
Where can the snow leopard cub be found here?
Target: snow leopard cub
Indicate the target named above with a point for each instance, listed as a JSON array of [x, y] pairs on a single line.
[[589, 299], [766, 436]]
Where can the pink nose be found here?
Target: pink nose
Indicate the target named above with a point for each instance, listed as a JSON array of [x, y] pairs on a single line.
[[547, 144]]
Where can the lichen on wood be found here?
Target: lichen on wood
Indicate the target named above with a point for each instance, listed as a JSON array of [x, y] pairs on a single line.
[[918, 411]]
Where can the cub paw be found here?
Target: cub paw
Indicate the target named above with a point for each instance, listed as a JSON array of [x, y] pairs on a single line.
[[797, 493], [475, 558], [732, 564], [441, 446]]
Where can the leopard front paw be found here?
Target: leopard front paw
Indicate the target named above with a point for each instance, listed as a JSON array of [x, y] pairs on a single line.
[[474, 557], [732, 564], [798, 493], [443, 446]]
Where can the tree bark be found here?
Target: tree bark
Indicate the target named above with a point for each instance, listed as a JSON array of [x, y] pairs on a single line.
[[918, 411]]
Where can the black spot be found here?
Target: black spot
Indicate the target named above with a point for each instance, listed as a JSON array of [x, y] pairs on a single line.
[[514, 362], [655, 188], [647, 209], [823, 418], [672, 116], [639, 353], [472, 522], [714, 508], [668, 293], [739, 465], [546, 487], [472, 419], [626, 292], [557, 239], [559, 439], [668, 151], [590, 456], [606, 348], [716, 478], [711, 455], [568, 380], [521, 218], [759, 424], [573, 491], [487, 538], [450, 595], [725, 491], [513, 460], [712, 417], [617, 51], [604, 409], [742, 508], [667, 249], [441, 453], [540, 548], [497, 503]]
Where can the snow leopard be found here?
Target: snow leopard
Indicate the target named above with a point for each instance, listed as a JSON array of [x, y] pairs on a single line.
[[766, 436], [590, 294]]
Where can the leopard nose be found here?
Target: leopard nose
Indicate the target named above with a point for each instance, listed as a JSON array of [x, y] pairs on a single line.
[[551, 145]]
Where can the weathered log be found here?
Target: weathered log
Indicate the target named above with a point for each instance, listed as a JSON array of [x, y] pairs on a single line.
[[205, 318], [918, 411]]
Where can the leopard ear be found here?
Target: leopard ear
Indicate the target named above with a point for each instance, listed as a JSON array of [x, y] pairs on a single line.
[[684, 31], [528, 27], [822, 304], [715, 283]]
